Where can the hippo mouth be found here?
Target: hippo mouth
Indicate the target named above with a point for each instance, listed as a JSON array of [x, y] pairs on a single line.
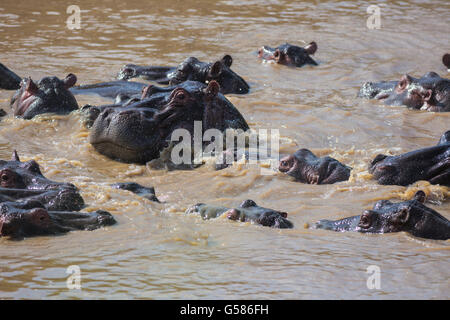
[[26, 98]]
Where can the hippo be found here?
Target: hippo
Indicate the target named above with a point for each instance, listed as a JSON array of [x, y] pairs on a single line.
[[137, 132], [410, 216], [431, 164], [430, 92], [191, 69], [306, 167], [49, 95], [446, 60], [8, 79], [24, 181], [113, 89], [248, 211], [31, 218], [146, 192], [290, 55]]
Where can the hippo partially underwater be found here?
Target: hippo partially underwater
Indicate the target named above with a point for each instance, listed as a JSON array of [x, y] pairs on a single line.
[[31, 204], [410, 216], [248, 211]]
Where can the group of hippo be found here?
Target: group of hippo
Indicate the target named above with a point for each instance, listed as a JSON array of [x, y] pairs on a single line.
[[137, 126]]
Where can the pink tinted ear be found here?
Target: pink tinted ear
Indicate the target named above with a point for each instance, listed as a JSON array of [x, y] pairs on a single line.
[[311, 48], [31, 86], [70, 80], [404, 82], [446, 60], [145, 91], [213, 88], [427, 95]]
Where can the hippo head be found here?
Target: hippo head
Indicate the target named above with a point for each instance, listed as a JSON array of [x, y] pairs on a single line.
[[409, 216], [429, 164], [24, 180], [137, 132], [49, 95], [193, 69], [250, 211], [410, 92], [306, 167], [289, 55], [31, 218], [26, 175]]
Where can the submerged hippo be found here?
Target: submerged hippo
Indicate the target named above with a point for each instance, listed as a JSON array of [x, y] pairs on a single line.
[[248, 211], [31, 204], [431, 164], [191, 69], [49, 95], [430, 92], [8, 79], [24, 181], [409, 216], [146, 192], [31, 218], [137, 132], [289, 55], [306, 167]]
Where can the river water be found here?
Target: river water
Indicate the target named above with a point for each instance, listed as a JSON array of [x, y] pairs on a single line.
[[156, 251]]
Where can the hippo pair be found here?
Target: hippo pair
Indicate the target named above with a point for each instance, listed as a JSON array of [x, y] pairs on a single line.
[[430, 92], [410, 216], [431, 164], [32, 205]]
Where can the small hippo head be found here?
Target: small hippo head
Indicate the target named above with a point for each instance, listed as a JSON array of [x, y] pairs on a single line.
[[30, 218], [429, 164], [409, 216], [289, 55], [306, 167], [49, 95], [250, 211], [25, 219], [430, 92], [193, 69], [15, 174]]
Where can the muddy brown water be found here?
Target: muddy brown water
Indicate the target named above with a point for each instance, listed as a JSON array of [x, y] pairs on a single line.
[[156, 251]]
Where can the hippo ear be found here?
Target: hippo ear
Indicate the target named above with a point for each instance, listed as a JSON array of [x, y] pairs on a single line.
[[446, 60], [248, 203], [216, 69], [30, 86], [311, 48], [70, 80], [401, 217], [213, 89], [227, 60], [420, 196], [404, 82], [426, 95], [15, 156], [377, 159]]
